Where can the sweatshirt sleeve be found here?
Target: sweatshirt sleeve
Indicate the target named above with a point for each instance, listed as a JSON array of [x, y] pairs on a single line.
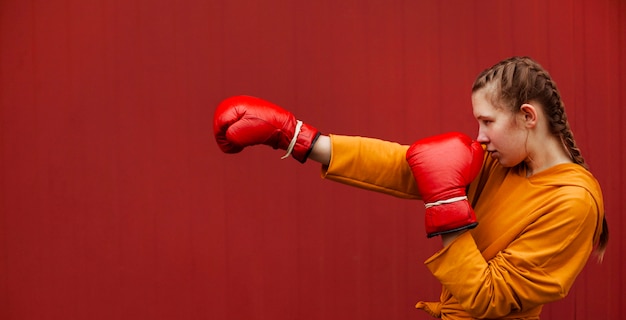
[[538, 267], [371, 164]]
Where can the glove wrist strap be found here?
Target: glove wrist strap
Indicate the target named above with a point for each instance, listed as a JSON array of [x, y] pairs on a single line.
[[293, 140], [440, 202]]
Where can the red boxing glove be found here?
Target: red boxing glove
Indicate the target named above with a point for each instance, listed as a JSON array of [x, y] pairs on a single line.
[[243, 121], [443, 166]]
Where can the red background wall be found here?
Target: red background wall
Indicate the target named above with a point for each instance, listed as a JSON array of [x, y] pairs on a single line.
[[116, 203]]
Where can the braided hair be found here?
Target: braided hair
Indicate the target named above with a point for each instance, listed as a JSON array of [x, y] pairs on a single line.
[[518, 80]]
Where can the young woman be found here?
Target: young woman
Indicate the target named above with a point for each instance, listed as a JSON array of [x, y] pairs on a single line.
[[532, 214]]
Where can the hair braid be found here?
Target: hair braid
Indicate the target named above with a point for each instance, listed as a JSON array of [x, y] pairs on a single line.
[[558, 120], [518, 80]]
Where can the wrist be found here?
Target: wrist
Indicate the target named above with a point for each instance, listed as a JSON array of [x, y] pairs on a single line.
[[448, 238], [321, 150]]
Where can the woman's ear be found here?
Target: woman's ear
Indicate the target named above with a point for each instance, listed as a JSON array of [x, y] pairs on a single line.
[[529, 113]]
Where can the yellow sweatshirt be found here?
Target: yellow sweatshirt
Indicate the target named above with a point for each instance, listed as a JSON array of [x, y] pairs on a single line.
[[533, 238]]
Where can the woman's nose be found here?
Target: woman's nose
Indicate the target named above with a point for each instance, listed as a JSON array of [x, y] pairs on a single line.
[[482, 138]]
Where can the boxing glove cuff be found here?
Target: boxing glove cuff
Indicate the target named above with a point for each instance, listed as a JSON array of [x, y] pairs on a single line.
[[305, 140]]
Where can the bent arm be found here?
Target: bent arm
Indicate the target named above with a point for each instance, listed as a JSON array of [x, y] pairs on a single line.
[[540, 266]]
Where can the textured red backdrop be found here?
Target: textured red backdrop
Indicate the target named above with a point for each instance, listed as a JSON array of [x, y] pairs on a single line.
[[117, 204]]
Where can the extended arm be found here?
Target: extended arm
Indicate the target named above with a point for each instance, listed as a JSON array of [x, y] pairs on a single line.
[[367, 163]]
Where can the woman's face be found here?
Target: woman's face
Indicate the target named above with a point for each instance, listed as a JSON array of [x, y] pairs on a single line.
[[500, 130]]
